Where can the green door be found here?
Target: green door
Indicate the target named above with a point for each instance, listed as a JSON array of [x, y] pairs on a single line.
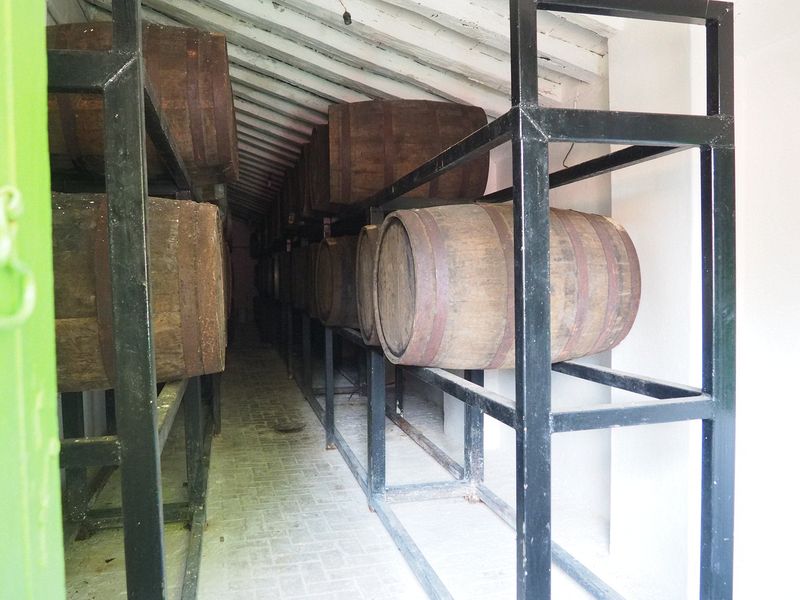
[[31, 552]]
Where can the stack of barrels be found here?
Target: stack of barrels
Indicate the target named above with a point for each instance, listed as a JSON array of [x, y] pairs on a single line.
[[435, 286], [190, 279]]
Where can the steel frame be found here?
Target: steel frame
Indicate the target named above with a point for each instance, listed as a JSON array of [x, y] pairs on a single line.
[[143, 418], [530, 128]]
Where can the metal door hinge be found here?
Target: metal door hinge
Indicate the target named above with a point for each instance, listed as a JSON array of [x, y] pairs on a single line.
[[22, 286]]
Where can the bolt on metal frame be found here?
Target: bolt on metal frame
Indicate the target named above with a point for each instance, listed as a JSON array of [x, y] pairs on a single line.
[[143, 418], [531, 128]]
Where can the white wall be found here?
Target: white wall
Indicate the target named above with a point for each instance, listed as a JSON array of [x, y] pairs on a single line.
[[768, 316]]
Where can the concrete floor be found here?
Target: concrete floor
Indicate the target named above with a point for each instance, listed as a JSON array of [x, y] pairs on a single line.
[[286, 519]]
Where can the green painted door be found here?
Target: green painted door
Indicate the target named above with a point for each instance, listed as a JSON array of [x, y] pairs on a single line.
[[31, 548]]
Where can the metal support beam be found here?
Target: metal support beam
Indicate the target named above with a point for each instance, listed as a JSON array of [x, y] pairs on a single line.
[[329, 407], [376, 426], [473, 435]]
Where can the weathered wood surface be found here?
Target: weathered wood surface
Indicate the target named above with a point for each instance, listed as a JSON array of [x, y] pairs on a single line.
[[444, 286], [299, 258], [365, 283], [372, 144], [336, 282], [189, 72], [187, 287]]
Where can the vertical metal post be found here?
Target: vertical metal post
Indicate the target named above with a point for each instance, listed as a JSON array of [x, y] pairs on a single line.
[[473, 435], [532, 312], [76, 481], [399, 389], [289, 340], [330, 442], [719, 325], [308, 374], [376, 425], [135, 389], [193, 419]]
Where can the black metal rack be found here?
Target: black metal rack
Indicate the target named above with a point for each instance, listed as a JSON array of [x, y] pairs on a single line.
[[143, 418], [530, 128]]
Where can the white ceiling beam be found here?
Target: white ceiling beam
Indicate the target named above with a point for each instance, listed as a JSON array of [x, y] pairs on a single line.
[[602, 25], [488, 22], [274, 117], [357, 52], [264, 130], [301, 119], [415, 36], [286, 50], [268, 119], [316, 107], [297, 77], [266, 153], [252, 134], [245, 80], [256, 61]]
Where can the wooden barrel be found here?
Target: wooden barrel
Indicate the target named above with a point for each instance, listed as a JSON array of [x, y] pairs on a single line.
[[336, 281], [444, 286], [374, 143], [311, 287], [319, 172], [299, 265], [365, 283], [189, 72], [186, 276]]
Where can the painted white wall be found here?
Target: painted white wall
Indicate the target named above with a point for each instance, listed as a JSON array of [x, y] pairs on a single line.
[[767, 525], [655, 470]]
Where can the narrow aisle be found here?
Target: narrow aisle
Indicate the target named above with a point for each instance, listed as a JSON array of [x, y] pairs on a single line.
[[286, 519]]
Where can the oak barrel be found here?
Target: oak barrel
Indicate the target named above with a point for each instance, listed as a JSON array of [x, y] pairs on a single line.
[[444, 286], [336, 281], [311, 271], [299, 257], [365, 266], [374, 143], [276, 276], [320, 170], [285, 277], [189, 72], [187, 290]]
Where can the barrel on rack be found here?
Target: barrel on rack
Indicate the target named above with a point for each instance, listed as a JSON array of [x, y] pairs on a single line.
[[336, 282], [276, 276], [189, 72], [444, 286], [365, 283], [299, 265], [187, 290], [311, 286], [374, 143], [319, 171]]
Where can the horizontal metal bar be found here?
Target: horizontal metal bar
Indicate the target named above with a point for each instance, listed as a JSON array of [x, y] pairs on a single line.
[[424, 572], [111, 518], [483, 140], [419, 492], [652, 388], [565, 561], [73, 71], [158, 131], [646, 129], [439, 455], [169, 401], [351, 335], [695, 12], [355, 466], [626, 157], [628, 414], [493, 404], [90, 452]]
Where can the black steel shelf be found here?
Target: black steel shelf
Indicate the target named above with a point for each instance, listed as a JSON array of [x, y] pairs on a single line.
[[531, 128], [144, 419]]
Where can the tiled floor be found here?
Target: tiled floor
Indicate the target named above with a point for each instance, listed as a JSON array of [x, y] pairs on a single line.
[[286, 519]]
